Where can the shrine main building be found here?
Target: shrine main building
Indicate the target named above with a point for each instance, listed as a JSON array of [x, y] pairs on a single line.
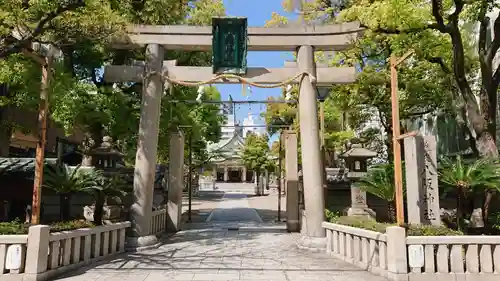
[[227, 165]]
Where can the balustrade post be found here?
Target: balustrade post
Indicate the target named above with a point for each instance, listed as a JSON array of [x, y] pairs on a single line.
[[37, 249], [397, 261]]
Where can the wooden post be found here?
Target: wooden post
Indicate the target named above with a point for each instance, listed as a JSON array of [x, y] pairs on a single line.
[[396, 146], [42, 136]]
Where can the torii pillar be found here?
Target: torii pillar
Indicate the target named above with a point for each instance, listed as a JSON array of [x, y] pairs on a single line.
[[314, 236], [147, 147]]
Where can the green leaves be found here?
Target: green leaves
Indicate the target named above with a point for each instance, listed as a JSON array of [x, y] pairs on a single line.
[[112, 187], [379, 181], [79, 99], [256, 153], [470, 176], [63, 179]]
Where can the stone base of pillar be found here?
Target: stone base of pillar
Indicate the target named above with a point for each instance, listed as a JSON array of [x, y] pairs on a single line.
[[141, 243], [314, 244], [293, 226], [361, 212]]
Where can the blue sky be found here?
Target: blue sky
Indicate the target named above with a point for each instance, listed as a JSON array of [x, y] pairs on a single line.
[[257, 12]]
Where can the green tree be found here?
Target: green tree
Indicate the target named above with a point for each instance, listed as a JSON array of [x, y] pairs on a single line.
[[101, 109], [23, 22], [442, 32], [255, 154], [202, 121], [424, 87]]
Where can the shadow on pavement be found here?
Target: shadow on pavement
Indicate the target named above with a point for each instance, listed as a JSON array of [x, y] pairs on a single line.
[[209, 252]]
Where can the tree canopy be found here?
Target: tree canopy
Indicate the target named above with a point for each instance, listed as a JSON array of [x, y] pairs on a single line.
[[79, 98], [427, 81], [256, 153]]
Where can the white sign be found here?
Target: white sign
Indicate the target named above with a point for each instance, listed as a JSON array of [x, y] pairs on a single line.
[[13, 259], [416, 256]]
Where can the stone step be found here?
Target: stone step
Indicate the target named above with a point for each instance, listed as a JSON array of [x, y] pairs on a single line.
[[237, 226]]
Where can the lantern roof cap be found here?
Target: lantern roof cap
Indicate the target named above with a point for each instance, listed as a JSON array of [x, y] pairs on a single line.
[[106, 148], [357, 150]]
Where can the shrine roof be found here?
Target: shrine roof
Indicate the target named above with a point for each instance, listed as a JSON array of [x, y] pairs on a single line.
[[358, 151], [232, 144], [12, 164]]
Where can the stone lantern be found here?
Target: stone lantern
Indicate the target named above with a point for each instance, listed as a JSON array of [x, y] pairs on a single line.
[[356, 159], [107, 156]]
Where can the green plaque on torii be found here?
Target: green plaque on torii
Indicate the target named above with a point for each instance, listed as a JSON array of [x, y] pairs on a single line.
[[229, 45]]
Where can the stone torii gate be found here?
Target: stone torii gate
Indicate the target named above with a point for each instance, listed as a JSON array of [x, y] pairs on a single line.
[[303, 40]]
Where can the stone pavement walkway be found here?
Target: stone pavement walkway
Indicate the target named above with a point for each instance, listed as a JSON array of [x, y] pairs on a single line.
[[234, 207], [215, 254]]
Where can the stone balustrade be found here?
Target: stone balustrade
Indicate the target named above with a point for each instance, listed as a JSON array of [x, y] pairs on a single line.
[[416, 258], [158, 221], [15, 242], [44, 255], [363, 248], [473, 257]]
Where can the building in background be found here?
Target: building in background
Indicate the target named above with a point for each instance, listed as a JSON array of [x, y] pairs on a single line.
[[226, 164]]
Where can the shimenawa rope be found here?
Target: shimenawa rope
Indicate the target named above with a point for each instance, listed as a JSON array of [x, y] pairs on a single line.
[[231, 76]]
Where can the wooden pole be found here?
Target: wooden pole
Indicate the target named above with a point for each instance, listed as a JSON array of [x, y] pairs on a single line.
[[42, 136], [396, 137]]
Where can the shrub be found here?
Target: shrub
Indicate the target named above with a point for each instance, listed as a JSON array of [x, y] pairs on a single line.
[[13, 227], [331, 215], [70, 225], [18, 227], [494, 221], [363, 223], [430, 230], [411, 230]]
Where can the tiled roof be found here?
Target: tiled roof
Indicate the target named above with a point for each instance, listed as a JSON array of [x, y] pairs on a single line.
[[8, 164]]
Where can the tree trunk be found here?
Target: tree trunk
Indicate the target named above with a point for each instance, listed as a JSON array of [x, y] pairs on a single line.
[[257, 180], [486, 206], [481, 119], [391, 211], [65, 206], [389, 144], [98, 210], [5, 126], [486, 145], [459, 208], [5, 135]]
